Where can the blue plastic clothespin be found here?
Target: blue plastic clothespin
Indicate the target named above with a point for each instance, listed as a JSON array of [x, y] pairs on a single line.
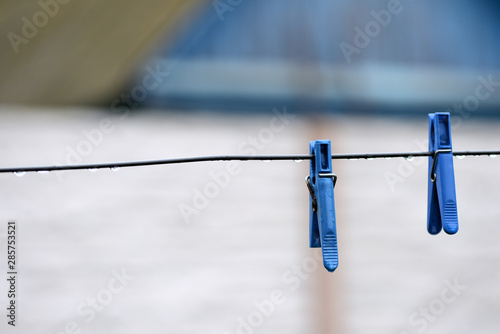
[[320, 182], [442, 199]]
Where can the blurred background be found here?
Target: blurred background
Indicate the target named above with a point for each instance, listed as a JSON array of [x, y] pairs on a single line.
[[221, 247]]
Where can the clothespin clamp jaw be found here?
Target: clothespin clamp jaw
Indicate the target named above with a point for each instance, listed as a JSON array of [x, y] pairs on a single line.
[[442, 201], [320, 182]]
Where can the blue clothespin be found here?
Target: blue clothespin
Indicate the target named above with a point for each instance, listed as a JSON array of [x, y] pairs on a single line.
[[442, 199], [320, 182]]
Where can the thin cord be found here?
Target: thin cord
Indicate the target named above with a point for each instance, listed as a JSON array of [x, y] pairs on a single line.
[[410, 155], [295, 157]]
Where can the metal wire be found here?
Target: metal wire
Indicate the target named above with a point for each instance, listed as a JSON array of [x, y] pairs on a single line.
[[295, 157]]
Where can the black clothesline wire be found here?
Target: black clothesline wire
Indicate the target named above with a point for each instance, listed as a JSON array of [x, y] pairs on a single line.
[[295, 157]]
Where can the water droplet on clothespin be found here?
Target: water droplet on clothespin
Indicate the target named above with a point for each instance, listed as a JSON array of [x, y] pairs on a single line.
[[115, 169], [410, 158], [43, 171], [460, 157], [20, 173], [493, 156], [93, 170]]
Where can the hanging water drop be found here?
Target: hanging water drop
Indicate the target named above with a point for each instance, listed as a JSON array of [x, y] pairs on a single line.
[[43, 172], [20, 173], [115, 169], [93, 170], [493, 156], [266, 160], [409, 158], [298, 160], [369, 159], [460, 157]]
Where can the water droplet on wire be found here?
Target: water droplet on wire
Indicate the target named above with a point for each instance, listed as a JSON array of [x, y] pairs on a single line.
[[298, 160], [115, 169], [93, 170], [266, 160], [409, 158], [460, 157], [493, 156], [43, 172], [369, 159], [20, 173]]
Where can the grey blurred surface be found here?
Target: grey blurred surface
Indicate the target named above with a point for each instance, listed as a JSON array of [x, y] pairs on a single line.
[[78, 229]]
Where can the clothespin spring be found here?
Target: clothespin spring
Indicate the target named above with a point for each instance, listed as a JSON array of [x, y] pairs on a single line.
[[311, 189], [434, 160]]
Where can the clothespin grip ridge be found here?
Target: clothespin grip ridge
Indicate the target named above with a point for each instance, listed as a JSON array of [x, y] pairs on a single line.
[[321, 182], [442, 202]]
